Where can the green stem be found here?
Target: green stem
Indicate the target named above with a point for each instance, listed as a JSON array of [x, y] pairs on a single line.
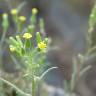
[[1, 45], [15, 87], [3, 37], [33, 86], [1, 57]]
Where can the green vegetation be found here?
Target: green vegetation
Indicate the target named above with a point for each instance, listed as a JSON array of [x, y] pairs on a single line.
[[28, 50]]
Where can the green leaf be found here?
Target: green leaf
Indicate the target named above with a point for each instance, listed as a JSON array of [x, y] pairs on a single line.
[[21, 5]]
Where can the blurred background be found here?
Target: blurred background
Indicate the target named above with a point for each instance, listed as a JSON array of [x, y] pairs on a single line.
[[66, 23]]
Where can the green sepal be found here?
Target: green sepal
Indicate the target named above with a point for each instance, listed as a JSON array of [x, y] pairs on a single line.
[[38, 37], [19, 41], [13, 41], [5, 24], [22, 51], [30, 29], [33, 19], [46, 40], [28, 44]]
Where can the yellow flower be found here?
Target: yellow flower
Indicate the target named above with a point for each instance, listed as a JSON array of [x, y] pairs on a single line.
[[13, 11], [5, 15], [27, 35], [42, 45], [22, 18], [34, 10], [12, 48]]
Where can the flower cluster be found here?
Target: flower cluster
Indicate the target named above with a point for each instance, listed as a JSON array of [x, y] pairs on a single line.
[[28, 45], [18, 44]]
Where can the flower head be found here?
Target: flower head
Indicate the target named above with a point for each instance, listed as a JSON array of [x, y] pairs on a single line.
[[42, 45], [13, 11], [5, 15], [27, 35], [34, 10], [22, 18], [17, 36], [12, 48]]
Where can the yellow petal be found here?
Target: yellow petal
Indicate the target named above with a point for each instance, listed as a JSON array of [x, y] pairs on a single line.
[[13, 11], [27, 35], [34, 10], [22, 18]]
